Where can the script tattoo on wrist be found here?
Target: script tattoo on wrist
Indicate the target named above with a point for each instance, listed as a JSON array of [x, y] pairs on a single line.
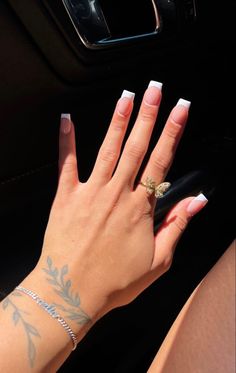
[[29, 329], [62, 287]]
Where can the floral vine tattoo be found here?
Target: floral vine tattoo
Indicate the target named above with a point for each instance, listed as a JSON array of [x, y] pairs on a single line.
[[30, 330], [63, 288]]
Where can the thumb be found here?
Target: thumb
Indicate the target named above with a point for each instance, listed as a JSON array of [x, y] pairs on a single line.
[[173, 227]]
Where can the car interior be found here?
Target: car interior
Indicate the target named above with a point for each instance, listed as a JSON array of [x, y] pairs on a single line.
[[77, 56]]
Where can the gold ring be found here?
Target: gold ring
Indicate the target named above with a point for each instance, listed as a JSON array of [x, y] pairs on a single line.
[[152, 187]]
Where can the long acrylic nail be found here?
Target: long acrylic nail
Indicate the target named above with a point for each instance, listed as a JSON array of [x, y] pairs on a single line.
[[197, 204], [178, 114], [153, 93], [154, 83], [65, 123], [184, 103], [123, 106]]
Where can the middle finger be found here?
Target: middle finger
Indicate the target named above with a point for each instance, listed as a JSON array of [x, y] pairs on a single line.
[[138, 141]]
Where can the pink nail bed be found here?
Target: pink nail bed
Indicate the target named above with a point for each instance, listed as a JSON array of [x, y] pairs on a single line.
[[179, 112], [66, 123], [124, 103], [153, 93], [197, 204]]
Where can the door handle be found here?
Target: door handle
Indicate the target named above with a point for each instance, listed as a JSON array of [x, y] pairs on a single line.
[[88, 19], [103, 23]]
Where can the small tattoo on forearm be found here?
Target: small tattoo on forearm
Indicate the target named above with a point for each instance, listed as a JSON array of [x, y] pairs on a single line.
[[30, 330], [63, 288]]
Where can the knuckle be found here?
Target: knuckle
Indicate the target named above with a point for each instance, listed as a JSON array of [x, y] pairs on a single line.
[[160, 163], [180, 222], [68, 166], [173, 130], [107, 155], [148, 114], [135, 151], [118, 124]]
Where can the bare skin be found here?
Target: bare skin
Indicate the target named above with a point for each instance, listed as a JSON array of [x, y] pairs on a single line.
[[202, 338], [94, 256]]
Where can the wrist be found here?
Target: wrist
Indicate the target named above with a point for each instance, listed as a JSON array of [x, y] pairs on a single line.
[[57, 286], [40, 337], [55, 302]]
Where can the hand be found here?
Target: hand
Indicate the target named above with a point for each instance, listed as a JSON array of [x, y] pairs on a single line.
[[103, 229]]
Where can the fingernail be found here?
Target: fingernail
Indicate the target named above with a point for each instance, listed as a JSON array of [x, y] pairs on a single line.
[[184, 103], [153, 83], [124, 103], [197, 204], [65, 123], [153, 93], [179, 112], [128, 94]]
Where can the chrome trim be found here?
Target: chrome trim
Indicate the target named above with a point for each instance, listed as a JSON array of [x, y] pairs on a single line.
[[158, 23], [194, 9], [105, 43]]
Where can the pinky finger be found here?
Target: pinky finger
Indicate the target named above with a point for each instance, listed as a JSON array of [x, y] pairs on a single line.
[[68, 173], [172, 229]]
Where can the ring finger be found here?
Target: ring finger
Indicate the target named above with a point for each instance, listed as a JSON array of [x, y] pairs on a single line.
[[164, 151]]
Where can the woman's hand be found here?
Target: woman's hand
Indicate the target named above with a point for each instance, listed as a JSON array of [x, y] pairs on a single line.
[[99, 249], [101, 231]]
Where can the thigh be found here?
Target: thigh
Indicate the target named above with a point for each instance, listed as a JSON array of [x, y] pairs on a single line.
[[202, 338]]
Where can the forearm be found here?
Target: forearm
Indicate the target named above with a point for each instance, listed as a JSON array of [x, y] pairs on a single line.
[[31, 339]]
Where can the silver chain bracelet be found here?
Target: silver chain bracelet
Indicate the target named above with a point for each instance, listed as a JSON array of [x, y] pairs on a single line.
[[52, 312]]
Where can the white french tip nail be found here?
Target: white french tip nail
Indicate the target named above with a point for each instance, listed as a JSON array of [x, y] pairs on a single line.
[[128, 94], [66, 116], [184, 103], [196, 204], [201, 198], [153, 83]]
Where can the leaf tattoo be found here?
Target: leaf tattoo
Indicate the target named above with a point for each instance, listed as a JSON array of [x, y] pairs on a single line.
[[62, 288], [80, 318], [30, 330]]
